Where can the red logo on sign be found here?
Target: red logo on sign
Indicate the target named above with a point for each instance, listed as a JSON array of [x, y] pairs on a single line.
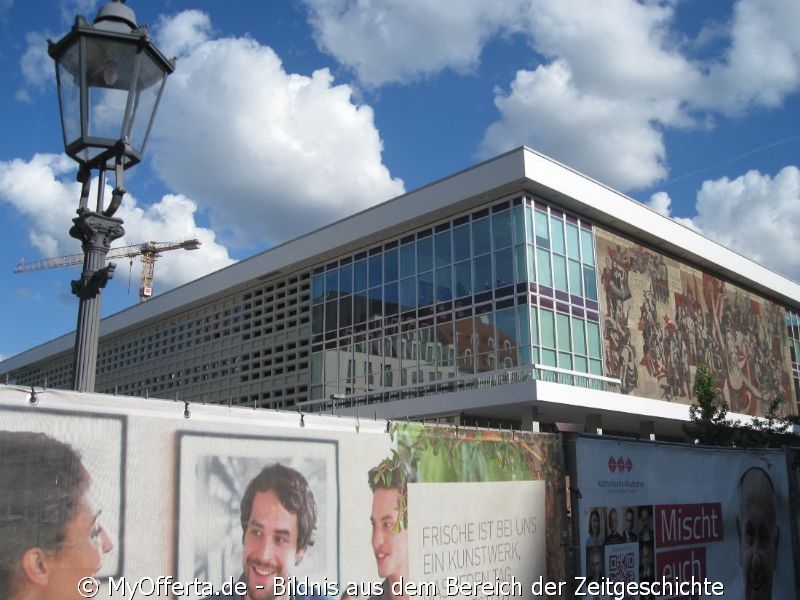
[[620, 464]]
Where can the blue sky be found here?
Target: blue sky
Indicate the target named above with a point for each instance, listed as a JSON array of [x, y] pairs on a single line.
[[284, 116]]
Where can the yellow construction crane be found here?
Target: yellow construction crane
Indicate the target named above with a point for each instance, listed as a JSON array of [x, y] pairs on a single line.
[[149, 251]]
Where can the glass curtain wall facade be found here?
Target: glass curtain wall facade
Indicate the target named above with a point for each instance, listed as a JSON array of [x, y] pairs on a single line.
[[509, 285]]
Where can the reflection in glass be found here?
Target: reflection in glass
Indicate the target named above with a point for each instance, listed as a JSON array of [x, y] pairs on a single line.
[[481, 236], [461, 243]]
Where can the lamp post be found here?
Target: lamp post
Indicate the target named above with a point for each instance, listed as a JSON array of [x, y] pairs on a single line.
[[110, 78]]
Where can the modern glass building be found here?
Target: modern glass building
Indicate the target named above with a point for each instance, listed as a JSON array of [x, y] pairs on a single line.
[[516, 291]]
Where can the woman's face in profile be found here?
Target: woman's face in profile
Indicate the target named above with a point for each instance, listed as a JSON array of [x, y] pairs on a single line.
[[80, 554]]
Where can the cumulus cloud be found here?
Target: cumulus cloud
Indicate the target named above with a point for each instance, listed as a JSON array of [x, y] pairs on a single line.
[[36, 65], [762, 63], [601, 136], [756, 214], [270, 154], [43, 191], [662, 204], [403, 40], [611, 77]]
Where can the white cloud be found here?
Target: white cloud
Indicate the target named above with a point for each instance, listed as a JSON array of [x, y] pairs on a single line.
[[612, 75], [36, 65], [44, 192], [271, 154], [608, 138], [756, 214], [762, 63], [662, 204], [182, 34], [403, 40], [615, 82]]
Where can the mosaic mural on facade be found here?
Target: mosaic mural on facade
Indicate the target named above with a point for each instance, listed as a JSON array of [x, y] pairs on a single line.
[[662, 319]]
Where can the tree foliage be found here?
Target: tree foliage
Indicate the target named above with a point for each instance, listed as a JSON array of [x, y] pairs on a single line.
[[709, 423]]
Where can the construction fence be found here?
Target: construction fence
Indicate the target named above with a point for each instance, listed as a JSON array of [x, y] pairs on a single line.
[[128, 497]]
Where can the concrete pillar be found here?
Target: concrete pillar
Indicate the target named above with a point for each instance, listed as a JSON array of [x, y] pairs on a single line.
[[594, 424], [647, 430], [530, 419]]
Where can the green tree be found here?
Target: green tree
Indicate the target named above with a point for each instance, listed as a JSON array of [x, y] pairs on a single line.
[[708, 417], [709, 423]]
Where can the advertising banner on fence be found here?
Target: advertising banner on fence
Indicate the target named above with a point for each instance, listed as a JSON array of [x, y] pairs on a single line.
[[673, 515], [113, 497]]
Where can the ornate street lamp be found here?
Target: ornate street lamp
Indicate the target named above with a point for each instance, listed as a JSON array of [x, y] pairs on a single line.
[[110, 78]]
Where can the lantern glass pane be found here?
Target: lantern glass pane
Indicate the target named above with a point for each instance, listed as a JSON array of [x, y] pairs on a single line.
[[69, 93], [109, 69], [148, 89]]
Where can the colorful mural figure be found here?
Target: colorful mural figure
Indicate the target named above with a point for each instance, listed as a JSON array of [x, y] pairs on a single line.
[[662, 319]]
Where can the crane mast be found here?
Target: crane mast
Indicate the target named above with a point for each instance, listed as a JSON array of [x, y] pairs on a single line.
[[149, 251]]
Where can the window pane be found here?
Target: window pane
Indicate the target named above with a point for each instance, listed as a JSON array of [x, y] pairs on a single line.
[[575, 278], [485, 342], [529, 226], [360, 308], [518, 214], [425, 289], [408, 260], [578, 336], [481, 236], [503, 267], [581, 364], [466, 356], [463, 279], [531, 262], [442, 249], [560, 272], [318, 287], [331, 315], [461, 242], [501, 229], [346, 311], [573, 242], [564, 337], [548, 328], [346, 278], [549, 358], [542, 229], [543, 267], [587, 247], [317, 315], [506, 324], [521, 271], [557, 235], [593, 331], [332, 283], [375, 270], [316, 368], [424, 254], [391, 298], [590, 282], [390, 269], [360, 275], [483, 273], [534, 328], [444, 284], [595, 367], [565, 361], [408, 293]]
